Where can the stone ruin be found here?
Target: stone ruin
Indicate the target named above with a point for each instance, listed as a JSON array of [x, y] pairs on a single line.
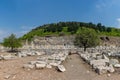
[[52, 51], [102, 59], [48, 61], [56, 50]]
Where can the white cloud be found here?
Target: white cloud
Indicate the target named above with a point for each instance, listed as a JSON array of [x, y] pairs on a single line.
[[118, 19], [105, 4], [101, 5], [26, 27], [23, 30], [3, 34], [118, 22]]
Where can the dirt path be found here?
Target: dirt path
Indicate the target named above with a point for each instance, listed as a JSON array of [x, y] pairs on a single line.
[[76, 69]]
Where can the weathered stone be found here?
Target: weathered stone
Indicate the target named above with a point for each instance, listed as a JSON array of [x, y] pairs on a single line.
[[38, 53], [7, 76], [53, 64], [116, 54], [105, 69], [41, 62], [86, 57], [28, 66], [7, 57], [49, 60], [95, 65], [30, 53], [101, 70], [111, 69], [61, 68], [108, 75], [99, 62], [40, 66], [99, 57], [114, 61], [48, 66], [21, 54], [109, 54], [93, 55], [105, 57], [32, 62], [117, 65]]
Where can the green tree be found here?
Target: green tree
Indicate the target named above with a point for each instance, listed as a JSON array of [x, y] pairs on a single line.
[[12, 42], [86, 38]]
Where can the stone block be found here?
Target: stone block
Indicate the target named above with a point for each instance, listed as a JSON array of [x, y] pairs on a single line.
[[40, 66], [101, 70], [53, 64], [61, 68], [48, 66], [7, 57], [111, 69], [28, 66], [114, 61], [117, 65], [99, 62]]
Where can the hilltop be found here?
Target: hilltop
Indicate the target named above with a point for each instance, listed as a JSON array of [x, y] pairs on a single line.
[[42, 57], [69, 28]]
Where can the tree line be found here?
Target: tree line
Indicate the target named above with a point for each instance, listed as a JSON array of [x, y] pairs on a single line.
[[86, 33], [70, 28]]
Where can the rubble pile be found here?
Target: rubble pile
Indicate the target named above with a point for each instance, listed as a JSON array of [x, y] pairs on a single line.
[[100, 62], [48, 61]]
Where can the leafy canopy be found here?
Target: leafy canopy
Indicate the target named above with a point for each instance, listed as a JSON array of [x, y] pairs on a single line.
[[86, 37], [12, 42], [69, 28]]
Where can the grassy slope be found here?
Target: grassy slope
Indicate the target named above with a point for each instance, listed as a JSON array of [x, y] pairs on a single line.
[[68, 28]]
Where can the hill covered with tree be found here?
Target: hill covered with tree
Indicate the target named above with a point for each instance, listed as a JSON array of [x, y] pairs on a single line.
[[70, 28]]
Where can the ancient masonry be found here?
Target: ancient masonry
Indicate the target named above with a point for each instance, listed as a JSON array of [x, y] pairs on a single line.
[[55, 48], [52, 51]]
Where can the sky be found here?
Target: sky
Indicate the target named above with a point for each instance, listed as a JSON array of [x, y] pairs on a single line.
[[20, 16]]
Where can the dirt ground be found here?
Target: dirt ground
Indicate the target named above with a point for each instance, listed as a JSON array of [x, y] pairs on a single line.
[[76, 69]]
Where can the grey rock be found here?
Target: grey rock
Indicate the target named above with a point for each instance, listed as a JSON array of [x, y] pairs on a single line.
[[40, 66], [114, 61], [21, 54], [32, 62], [117, 65], [53, 64], [99, 57], [28, 66], [48, 66], [8, 57], [111, 69], [108, 75], [102, 69], [61, 68], [99, 62], [7, 76]]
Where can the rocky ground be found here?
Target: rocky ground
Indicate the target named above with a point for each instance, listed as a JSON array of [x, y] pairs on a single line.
[[76, 69]]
